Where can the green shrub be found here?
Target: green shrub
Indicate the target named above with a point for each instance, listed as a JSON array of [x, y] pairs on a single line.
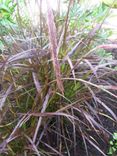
[[113, 145]]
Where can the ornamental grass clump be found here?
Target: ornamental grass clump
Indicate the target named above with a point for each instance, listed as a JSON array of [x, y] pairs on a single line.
[[52, 79]]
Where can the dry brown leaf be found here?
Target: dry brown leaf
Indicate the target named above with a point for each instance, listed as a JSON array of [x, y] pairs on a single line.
[[53, 46]]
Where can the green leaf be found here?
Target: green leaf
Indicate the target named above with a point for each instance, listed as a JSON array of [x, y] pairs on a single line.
[[110, 151], [110, 3], [7, 2], [115, 136], [111, 142], [114, 149], [1, 46], [4, 8]]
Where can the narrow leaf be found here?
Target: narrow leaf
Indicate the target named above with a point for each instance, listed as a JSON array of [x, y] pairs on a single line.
[[53, 46]]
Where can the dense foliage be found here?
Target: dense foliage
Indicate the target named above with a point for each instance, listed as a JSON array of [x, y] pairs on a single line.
[[51, 80]]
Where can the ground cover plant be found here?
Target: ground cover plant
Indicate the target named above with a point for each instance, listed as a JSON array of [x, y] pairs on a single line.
[[113, 145], [57, 82]]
